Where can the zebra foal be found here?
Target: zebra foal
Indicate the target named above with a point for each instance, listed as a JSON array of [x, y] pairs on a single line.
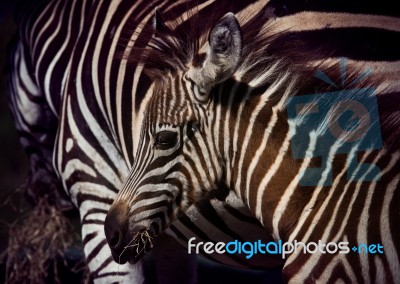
[[255, 106]]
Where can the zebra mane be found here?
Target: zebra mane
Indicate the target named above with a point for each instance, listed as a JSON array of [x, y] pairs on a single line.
[[177, 43], [173, 46]]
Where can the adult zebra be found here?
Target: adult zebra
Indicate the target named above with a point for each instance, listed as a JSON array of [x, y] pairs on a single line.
[[263, 106], [74, 98]]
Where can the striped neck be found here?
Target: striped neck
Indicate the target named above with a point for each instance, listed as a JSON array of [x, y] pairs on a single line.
[[252, 132]]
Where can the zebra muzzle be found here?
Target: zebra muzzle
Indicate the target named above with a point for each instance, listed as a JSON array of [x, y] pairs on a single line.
[[128, 241], [116, 228]]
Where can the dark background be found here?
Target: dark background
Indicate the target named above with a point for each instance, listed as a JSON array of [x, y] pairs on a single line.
[[13, 163]]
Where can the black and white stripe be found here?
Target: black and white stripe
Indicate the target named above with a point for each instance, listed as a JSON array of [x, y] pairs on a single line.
[[76, 98], [215, 116]]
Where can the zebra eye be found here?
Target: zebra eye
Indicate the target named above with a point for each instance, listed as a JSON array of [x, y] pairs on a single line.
[[165, 140]]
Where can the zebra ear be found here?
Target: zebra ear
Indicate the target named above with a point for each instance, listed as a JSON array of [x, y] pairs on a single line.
[[225, 45], [162, 37], [158, 23], [222, 55]]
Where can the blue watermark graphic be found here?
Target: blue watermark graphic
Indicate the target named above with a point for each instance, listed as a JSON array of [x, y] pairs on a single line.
[[368, 249], [345, 121], [284, 249]]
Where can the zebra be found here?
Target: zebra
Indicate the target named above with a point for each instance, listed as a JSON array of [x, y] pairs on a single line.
[[221, 110], [75, 99]]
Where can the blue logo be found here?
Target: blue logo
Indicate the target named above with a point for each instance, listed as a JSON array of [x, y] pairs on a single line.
[[345, 121], [368, 249]]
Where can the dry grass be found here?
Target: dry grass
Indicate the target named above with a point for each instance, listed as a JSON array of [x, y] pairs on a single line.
[[38, 242], [139, 241]]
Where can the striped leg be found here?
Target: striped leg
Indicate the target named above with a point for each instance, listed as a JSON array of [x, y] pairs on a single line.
[[92, 184], [93, 201]]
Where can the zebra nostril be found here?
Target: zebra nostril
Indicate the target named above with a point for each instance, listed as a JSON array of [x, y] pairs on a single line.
[[154, 229], [116, 239]]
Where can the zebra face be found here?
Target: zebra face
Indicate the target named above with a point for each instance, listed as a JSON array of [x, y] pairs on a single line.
[[177, 162], [164, 180]]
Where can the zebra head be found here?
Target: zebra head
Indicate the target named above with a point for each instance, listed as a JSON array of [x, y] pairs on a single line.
[[166, 177]]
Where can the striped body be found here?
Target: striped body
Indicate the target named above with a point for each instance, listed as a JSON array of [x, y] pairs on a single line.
[[75, 99], [218, 112]]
